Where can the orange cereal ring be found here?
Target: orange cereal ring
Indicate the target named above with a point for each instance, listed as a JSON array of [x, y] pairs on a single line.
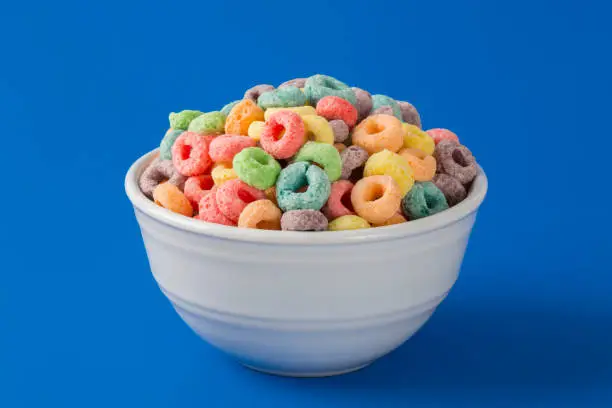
[[340, 147], [170, 197], [379, 132], [271, 194], [260, 214], [397, 218], [424, 166], [376, 198], [241, 116]]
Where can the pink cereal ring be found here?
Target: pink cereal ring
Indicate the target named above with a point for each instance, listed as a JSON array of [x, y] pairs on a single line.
[[234, 195], [439, 134], [223, 148], [339, 201], [333, 107], [209, 211], [190, 154], [279, 145], [196, 187]]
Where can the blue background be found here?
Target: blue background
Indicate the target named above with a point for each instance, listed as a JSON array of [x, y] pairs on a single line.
[[86, 87]]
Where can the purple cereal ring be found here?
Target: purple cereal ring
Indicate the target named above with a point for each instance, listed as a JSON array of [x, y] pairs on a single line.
[[254, 92], [452, 189], [297, 82], [364, 102], [158, 172], [341, 130], [383, 110], [410, 114], [303, 220], [352, 158], [455, 160]]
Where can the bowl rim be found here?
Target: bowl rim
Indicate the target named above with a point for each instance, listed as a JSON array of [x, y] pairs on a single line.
[[442, 219]]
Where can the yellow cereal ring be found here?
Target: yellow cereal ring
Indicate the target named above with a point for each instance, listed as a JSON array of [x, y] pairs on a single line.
[[222, 172], [260, 214], [241, 116], [395, 219], [390, 164], [169, 196], [415, 138], [255, 129], [340, 147], [318, 129], [376, 198], [348, 222], [300, 110], [379, 132], [424, 166]]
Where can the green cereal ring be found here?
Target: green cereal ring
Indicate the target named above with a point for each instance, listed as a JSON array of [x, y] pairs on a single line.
[[165, 147], [227, 108], [319, 86], [181, 120], [422, 200], [256, 167], [208, 123], [378, 101], [296, 176], [324, 154], [286, 97]]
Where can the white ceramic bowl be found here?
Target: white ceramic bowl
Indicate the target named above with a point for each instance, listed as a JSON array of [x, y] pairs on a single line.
[[304, 303]]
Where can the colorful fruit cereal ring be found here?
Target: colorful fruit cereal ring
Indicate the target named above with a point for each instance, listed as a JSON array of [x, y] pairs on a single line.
[[190, 154], [423, 165], [352, 158], [415, 138], [324, 155], [348, 222], [318, 129], [456, 160], [364, 102], [241, 117], [452, 189], [165, 147], [395, 219], [410, 114], [271, 194], [222, 172], [303, 220], [319, 86], [332, 108], [339, 147], [391, 164], [181, 120], [379, 132], [282, 98], [223, 148], [300, 110], [383, 110], [228, 108], [234, 195], [297, 82], [255, 129], [255, 92], [283, 134], [211, 123], [376, 198], [196, 187], [296, 176], [339, 201], [439, 134], [209, 211], [260, 214], [159, 171], [340, 129], [423, 200], [170, 197], [256, 167], [383, 100]]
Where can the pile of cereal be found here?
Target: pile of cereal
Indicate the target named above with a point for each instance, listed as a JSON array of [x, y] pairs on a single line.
[[311, 155]]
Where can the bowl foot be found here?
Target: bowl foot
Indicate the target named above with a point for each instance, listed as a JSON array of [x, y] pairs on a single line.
[[300, 374]]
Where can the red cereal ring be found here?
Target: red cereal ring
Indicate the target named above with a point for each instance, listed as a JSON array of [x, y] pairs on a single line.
[[190, 154], [333, 107], [439, 134], [223, 148], [196, 187], [234, 195], [339, 201], [209, 211], [283, 134]]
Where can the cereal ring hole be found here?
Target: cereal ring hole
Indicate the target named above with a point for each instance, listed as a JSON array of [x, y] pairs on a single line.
[[459, 158], [372, 127], [246, 196], [374, 192], [185, 151], [346, 201], [328, 83]]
